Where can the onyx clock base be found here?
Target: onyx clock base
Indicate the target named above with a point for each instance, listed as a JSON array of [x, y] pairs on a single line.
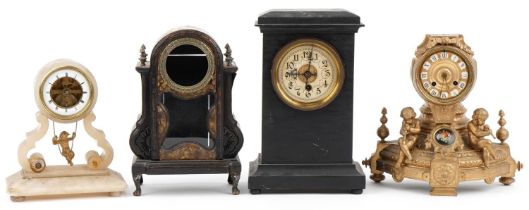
[[231, 166], [289, 178]]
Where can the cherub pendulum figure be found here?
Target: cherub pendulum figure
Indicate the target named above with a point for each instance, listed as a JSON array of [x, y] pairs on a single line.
[[409, 131], [62, 141], [477, 131]]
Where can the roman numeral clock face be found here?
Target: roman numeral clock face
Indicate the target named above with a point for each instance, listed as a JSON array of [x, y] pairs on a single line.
[[66, 94], [307, 74], [444, 76]]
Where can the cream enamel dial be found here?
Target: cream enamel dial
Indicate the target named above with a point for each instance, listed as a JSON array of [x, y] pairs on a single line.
[[307, 74], [444, 76], [66, 91]]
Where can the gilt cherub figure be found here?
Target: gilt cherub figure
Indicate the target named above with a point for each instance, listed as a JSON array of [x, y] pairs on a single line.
[[63, 142], [410, 130], [477, 131]]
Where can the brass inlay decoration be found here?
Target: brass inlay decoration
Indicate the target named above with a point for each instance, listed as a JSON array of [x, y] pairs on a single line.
[[163, 122], [187, 151], [212, 122], [166, 84]]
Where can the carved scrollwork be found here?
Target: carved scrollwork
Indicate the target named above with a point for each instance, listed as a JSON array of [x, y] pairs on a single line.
[[233, 139], [233, 142], [431, 41], [139, 139]]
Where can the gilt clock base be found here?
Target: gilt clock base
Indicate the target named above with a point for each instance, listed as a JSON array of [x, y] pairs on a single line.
[[305, 178], [442, 172], [231, 166], [21, 185]]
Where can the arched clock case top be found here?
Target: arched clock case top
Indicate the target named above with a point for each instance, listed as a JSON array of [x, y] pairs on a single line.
[[173, 90]]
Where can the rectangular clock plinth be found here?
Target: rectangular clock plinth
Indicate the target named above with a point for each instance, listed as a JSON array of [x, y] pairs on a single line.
[[20, 187], [339, 177], [232, 166]]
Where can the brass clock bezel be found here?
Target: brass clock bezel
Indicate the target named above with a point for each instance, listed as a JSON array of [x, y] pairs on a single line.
[[53, 67], [471, 67], [334, 58], [193, 91]]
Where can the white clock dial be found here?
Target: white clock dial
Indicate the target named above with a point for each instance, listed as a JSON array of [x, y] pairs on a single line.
[[66, 92], [307, 74], [444, 75]]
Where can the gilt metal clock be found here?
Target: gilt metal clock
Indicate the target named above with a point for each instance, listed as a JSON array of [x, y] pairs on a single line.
[[186, 125], [307, 119], [442, 146], [65, 93]]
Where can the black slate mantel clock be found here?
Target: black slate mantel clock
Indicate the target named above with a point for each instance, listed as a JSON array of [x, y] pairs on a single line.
[[307, 116], [186, 125]]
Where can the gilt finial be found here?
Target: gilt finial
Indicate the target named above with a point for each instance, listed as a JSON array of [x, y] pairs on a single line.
[[502, 134], [383, 131]]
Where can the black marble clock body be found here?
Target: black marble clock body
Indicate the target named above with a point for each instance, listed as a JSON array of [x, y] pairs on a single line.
[[182, 131], [305, 151]]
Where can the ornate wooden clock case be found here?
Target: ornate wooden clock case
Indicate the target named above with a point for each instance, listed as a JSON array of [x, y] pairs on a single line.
[[442, 146], [186, 125], [307, 114]]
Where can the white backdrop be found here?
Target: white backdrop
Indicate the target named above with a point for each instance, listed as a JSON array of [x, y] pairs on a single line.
[[106, 36]]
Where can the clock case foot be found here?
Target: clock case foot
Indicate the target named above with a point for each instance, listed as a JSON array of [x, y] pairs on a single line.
[[232, 166], [305, 178]]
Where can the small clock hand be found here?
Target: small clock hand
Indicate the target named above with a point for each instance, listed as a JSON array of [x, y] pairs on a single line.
[[307, 87], [445, 85], [310, 58]]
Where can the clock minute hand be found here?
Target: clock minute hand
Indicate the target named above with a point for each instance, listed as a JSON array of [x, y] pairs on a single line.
[[445, 85], [310, 57], [310, 64]]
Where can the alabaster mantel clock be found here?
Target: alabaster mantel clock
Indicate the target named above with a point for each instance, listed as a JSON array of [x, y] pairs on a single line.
[[307, 118], [65, 93], [186, 125], [441, 145]]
